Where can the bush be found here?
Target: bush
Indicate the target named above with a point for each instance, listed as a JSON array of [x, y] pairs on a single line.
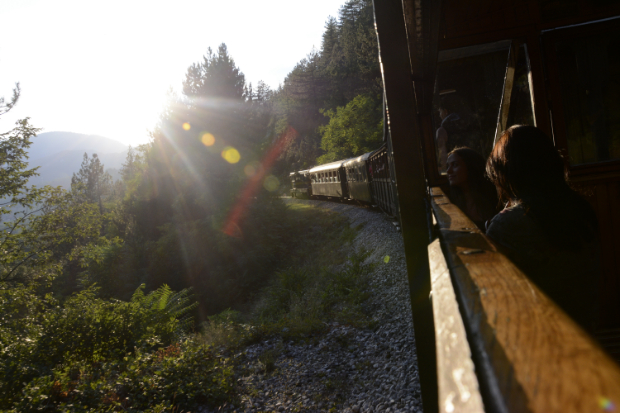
[[43, 342], [183, 375]]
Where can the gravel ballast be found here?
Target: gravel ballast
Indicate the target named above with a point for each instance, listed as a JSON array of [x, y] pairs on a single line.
[[349, 369]]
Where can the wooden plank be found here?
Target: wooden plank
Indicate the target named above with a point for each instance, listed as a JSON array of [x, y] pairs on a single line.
[[532, 355], [447, 214], [456, 379]]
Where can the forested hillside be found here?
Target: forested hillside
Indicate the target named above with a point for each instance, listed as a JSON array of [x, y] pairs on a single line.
[[88, 274], [330, 105]]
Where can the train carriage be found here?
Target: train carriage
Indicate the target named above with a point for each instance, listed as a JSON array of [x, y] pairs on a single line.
[[301, 184], [329, 180], [382, 185], [358, 178], [488, 339]]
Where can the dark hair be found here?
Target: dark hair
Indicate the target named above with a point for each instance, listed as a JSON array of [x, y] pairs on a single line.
[[526, 168], [482, 188]]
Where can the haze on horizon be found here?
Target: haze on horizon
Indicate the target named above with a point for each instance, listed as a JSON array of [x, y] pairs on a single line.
[[104, 67]]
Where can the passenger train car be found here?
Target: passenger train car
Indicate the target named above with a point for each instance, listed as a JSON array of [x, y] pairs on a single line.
[[300, 182], [366, 178]]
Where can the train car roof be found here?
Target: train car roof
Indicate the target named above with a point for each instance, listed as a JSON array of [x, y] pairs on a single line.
[[328, 166], [359, 159], [379, 149]]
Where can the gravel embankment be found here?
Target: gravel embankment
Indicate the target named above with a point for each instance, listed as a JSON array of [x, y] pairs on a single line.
[[372, 371]]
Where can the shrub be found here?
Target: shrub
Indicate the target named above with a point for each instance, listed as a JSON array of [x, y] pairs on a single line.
[[42, 340], [183, 375]]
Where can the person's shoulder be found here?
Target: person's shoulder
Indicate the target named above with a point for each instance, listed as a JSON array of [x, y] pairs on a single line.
[[508, 222], [510, 215]]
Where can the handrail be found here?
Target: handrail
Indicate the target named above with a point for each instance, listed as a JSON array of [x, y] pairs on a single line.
[[530, 356]]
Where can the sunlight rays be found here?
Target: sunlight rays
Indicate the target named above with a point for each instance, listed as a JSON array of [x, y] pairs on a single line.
[[252, 186]]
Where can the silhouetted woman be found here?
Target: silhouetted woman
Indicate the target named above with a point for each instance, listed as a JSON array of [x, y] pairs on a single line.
[[548, 230], [470, 189]]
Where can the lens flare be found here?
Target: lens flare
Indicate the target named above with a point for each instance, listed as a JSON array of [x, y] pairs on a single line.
[[252, 186], [606, 404], [207, 139], [271, 183], [231, 155], [252, 169], [187, 126]]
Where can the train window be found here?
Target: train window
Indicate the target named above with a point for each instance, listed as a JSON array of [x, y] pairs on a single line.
[[589, 69], [468, 95]]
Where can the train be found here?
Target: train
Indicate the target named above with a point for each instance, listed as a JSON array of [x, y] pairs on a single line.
[[366, 179]]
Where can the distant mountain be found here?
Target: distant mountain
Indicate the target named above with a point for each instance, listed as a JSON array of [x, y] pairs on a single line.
[[59, 155], [50, 143]]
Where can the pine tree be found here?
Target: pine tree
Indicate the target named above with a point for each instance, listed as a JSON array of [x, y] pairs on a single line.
[[216, 77], [330, 38], [91, 183]]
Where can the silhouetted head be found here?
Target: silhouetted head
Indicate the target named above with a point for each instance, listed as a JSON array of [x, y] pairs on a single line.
[[526, 168], [525, 162]]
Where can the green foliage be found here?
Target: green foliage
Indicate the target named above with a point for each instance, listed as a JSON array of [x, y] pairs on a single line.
[[85, 341], [42, 229], [216, 77], [299, 300], [186, 375], [352, 130], [91, 183]]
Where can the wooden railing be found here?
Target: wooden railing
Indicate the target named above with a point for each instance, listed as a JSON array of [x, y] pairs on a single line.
[[501, 344]]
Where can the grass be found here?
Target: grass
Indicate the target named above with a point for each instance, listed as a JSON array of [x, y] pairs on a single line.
[[321, 282], [318, 284]]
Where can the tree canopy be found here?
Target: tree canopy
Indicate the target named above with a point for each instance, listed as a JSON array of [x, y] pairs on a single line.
[[345, 67], [352, 130]]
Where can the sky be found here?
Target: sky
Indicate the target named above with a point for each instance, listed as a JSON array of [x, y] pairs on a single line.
[[104, 67]]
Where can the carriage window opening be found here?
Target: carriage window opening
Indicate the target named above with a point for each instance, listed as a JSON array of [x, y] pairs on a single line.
[[468, 93], [589, 69], [521, 104]]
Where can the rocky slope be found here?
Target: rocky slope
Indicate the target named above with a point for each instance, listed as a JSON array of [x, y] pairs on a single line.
[[349, 369]]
